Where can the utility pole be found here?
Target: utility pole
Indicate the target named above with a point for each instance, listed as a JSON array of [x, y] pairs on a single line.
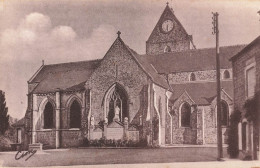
[[219, 129], [258, 109]]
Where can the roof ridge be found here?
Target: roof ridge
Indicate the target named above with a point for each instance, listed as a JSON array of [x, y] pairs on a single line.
[[197, 49], [85, 61], [199, 82]]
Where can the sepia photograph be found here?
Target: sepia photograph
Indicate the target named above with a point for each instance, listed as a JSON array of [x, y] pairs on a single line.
[[130, 83]]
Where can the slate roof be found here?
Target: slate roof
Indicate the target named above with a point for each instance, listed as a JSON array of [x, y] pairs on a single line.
[[255, 42], [192, 60], [148, 68], [66, 76], [202, 93], [72, 76]]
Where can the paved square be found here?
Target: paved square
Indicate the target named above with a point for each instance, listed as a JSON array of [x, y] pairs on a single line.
[[87, 156]]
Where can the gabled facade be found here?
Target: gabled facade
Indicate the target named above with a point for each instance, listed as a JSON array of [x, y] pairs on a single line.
[[168, 35]]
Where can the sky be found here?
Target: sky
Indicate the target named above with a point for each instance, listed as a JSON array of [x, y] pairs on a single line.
[[58, 31]]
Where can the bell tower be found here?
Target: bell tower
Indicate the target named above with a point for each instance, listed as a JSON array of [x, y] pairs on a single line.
[[168, 35]]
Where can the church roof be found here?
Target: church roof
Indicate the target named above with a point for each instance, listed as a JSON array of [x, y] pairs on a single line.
[[254, 43], [202, 93], [192, 60], [72, 76], [148, 68], [66, 76]]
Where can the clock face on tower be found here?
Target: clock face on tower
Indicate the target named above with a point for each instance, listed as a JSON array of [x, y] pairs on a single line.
[[167, 26]]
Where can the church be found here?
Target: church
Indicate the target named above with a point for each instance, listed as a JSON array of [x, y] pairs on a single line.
[[164, 97]]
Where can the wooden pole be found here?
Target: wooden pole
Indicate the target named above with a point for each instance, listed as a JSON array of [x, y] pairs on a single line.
[[219, 129]]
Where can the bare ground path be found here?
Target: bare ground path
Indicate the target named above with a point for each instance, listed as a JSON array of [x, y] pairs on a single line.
[[65, 157]]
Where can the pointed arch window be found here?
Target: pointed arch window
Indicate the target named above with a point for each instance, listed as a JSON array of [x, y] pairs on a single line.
[[117, 106], [75, 115], [224, 113], [48, 116], [226, 74], [167, 49], [185, 114], [192, 77]]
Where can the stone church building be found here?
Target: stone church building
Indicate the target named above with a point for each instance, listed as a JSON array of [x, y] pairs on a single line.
[[166, 96]]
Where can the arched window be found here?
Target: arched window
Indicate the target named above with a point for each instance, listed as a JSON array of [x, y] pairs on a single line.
[[224, 113], [167, 49], [192, 77], [75, 115], [226, 74], [48, 116], [185, 115], [117, 104]]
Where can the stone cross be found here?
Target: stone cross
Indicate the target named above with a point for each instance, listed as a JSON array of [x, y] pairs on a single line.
[[118, 33]]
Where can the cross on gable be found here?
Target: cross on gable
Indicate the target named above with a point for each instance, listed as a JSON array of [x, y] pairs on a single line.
[[118, 33], [167, 3]]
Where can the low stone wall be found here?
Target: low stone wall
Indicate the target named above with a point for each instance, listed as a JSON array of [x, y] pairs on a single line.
[[184, 136], [71, 138], [46, 137], [68, 138], [210, 136]]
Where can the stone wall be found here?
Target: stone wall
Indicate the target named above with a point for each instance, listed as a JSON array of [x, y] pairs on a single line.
[[181, 134], [68, 138], [168, 129], [239, 78], [133, 135], [47, 137], [118, 66], [208, 75], [71, 138], [160, 107], [177, 39], [158, 48]]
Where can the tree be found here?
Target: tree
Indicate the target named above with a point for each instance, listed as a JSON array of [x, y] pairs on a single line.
[[4, 117], [232, 149], [252, 114]]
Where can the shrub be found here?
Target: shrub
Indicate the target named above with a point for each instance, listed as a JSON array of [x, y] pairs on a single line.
[[102, 142], [232, 149], [250, 107], [85, 142]]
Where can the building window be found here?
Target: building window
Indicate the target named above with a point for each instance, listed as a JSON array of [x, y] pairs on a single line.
[[185, 115], [244, 125], [250, 81], [167, 49], [48, 116], [75, 115], [226, 74], [224, 113], [116, 99], [192, 77]]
